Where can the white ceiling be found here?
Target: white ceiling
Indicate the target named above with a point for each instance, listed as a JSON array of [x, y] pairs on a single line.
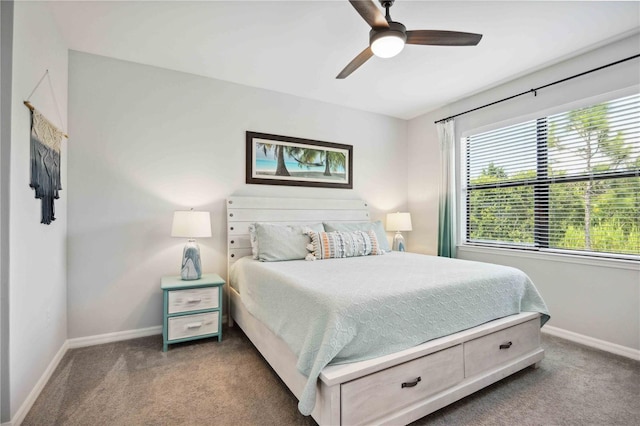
[[298, 47]]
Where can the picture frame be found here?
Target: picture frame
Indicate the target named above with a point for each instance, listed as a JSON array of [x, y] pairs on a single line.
[[286, 160]]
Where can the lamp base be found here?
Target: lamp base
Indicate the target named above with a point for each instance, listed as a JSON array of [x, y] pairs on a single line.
[[191, 266], [398, 242]]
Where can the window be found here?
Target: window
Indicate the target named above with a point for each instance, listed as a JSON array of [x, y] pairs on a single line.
[[568, 181]]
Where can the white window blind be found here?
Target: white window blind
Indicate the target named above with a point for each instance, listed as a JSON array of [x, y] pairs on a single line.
[[569, 181]]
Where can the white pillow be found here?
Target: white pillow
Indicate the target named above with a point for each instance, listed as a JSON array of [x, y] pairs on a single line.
[[272, 242]]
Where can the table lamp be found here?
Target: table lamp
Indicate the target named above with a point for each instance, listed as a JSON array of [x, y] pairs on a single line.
[[191, 224], [398, 222]]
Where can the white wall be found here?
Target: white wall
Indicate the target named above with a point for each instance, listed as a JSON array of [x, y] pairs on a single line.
[[6, 45], [37, 266], [148, 141], [599, 299]]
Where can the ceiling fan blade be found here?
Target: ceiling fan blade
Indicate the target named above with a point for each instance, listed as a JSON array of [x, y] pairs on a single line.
[[368, 10], [442, 38], [356, 63]]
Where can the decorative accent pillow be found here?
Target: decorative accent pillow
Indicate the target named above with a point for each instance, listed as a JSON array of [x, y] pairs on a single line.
[[272, 242], [338, 244], [254, 241], [376, 226]]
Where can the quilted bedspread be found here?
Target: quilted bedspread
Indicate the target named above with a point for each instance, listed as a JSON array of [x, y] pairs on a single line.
[[343, 310]]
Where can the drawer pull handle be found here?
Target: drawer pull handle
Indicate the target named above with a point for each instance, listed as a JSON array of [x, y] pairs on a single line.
[[194, 325], [506, 345], [194, 300], [412, 383]]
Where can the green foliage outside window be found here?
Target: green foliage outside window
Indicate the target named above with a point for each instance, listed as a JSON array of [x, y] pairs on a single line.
[[588, 197]]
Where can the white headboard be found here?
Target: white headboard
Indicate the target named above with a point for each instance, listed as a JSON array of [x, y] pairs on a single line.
[[242, 211]]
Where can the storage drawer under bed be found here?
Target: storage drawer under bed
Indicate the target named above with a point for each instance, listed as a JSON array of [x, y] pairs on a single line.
[[494, 349], [366, 399]]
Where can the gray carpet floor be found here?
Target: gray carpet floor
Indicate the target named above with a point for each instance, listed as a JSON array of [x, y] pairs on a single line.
[[209, 383]]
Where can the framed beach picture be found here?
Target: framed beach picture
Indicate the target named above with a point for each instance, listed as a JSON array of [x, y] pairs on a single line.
[[284, 160]]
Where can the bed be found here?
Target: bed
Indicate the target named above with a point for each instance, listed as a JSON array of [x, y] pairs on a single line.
[[368, 376]]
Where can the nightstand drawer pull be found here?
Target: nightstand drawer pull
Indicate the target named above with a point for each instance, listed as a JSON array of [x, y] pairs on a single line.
[[194, 300], [194, 325], [506, 345], [412, 383]]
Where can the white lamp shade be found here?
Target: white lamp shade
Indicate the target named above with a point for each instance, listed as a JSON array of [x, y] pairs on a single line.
[[398, 221], [191, 224]]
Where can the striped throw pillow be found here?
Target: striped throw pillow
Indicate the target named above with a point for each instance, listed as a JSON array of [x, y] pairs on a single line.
[[338, 244]]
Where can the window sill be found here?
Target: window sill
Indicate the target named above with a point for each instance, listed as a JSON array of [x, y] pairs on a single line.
[[553, 256]]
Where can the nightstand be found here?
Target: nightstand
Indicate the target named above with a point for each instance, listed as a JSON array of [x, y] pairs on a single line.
[[192, 309]]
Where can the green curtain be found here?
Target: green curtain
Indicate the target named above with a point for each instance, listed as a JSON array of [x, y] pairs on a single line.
[[447, 201]]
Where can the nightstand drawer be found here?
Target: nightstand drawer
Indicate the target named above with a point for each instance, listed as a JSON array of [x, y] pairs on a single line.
[[193, 325], [193, 299]]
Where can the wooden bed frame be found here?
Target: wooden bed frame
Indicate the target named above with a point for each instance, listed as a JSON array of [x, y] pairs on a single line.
[[397, 388]]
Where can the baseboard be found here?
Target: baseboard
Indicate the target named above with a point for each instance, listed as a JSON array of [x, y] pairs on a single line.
[[35, 392], [81, 342], [99, 339], [593, 342]]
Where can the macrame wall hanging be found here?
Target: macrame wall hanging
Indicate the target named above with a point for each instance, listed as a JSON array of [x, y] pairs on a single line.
[[46, 139]]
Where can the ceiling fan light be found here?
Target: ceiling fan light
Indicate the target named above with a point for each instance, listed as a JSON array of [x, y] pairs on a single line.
[[387, 45]]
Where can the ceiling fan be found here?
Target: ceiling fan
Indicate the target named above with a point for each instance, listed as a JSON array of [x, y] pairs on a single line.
[[387, 37]]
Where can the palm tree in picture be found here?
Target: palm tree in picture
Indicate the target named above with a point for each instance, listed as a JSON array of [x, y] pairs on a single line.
[[305, 157], [333, 160], [279, 151]]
